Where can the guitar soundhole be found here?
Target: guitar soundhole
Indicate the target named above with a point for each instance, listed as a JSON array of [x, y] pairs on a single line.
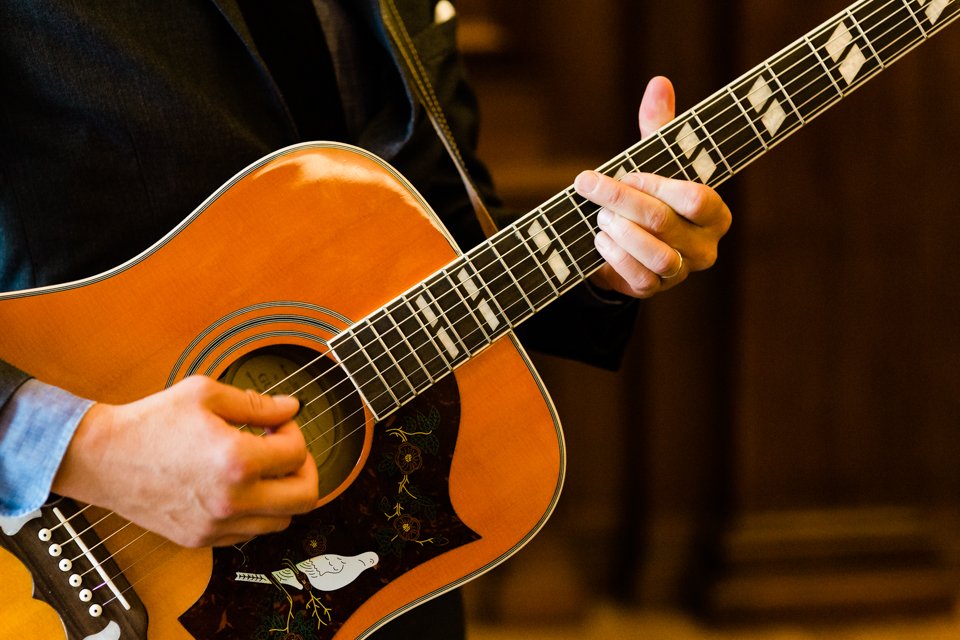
[[331, 416]]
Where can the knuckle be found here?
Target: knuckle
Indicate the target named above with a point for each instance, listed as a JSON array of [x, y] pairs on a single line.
[[726, 220], [232, 462], [278, 524], [658, 218], [221, 506], [662, 261], [612, 192], [198, 388], [645, 285], [696, 201], [201, 534], [708, 258], [254, 401]]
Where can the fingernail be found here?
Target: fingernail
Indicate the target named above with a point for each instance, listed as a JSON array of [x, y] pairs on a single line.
[[602, 242], [288, 400], [604, 217], [610, 249], [586, 182]]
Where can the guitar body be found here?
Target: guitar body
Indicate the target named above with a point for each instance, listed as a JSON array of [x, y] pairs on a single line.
[[289, 253]]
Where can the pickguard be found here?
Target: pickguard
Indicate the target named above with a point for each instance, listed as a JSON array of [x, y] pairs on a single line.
[[307, 580]]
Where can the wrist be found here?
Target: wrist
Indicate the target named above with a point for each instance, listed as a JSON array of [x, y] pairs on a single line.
[[85, 457]]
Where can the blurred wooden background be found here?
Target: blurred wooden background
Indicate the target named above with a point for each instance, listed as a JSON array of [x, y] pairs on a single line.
[[784, 438]]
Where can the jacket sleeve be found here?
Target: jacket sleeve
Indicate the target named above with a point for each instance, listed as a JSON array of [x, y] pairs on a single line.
[[10, 380]]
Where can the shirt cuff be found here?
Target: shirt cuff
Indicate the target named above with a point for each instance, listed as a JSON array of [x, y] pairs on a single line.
[[36, 426]]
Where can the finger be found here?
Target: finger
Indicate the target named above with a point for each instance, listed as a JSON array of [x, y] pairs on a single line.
[[653, 253], [294, 493], [657, 107], [246, 406], [629, 200], [622, 272], [692, 201], [281, 452], [243, 529]]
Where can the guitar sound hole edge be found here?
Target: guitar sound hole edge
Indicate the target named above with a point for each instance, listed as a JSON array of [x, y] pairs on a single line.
[[331, 417]]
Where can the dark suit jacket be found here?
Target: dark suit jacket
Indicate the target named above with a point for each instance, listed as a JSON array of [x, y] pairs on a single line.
[[119, 118]]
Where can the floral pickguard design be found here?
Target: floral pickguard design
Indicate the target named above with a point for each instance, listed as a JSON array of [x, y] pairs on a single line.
[[395, 516]]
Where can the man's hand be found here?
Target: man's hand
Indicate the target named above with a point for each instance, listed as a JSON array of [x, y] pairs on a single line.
[[174, 463], [653, 231]]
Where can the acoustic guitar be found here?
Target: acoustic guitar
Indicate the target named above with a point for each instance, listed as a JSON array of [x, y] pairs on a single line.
[[439, 451]]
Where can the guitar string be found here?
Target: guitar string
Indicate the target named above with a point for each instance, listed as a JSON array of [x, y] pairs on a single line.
[[89, 527], [67, 520], [400, 369], [574, 211]]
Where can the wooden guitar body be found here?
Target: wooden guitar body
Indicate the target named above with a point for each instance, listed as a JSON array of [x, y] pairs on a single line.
[[324, 251], [285, 256]]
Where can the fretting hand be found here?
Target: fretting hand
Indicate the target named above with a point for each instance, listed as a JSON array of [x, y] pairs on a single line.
[[653, 230]]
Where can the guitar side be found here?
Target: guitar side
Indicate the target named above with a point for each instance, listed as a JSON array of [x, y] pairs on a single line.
[[289, 252]]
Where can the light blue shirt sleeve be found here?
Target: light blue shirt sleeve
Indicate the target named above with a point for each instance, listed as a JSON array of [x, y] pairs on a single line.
[[36, 425]]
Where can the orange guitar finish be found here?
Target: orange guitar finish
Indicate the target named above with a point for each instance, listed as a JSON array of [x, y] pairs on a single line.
[[322, 224]]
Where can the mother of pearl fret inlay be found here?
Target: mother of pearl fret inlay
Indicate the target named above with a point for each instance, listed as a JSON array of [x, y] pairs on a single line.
[[473, 291], [854, 61], [689, 142], [433, 320], [774, 116], [555, 261], [935, 9]]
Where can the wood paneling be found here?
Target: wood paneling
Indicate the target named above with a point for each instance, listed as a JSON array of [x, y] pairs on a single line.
[[809, 381]]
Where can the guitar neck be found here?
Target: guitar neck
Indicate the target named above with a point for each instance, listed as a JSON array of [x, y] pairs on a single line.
[[424, 334]]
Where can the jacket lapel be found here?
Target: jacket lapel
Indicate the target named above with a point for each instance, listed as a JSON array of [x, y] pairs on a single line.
[[230, 10]]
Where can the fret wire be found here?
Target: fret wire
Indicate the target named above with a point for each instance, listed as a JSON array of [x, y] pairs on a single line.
[[389, 353], [906, 5], [819, 60], [856, 23], [381, 371], [434, 305], [499, 312], [516, 283], [413, 350], [823, 64], [746, 115], [388, 316], [538, 263], [415, 315], [354, 372], [580, 218], [683, 169], [488, 254], [490, 300], [509, 271], [710, 138], [892, 39], [470, 310], [776, 78], [558, 238]]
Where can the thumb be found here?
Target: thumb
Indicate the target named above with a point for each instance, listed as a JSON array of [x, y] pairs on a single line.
[[240, 406], [658, 105]]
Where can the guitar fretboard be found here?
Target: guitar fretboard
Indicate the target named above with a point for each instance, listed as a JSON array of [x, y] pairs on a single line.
[[430, 330]]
